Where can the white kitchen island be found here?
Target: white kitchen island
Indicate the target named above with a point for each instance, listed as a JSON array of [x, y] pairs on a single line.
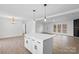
[[38, 43]]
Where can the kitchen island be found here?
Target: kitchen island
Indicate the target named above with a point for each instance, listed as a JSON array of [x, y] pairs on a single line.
[[38, 43]]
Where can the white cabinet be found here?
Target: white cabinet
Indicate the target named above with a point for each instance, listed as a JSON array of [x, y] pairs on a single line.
[[38, 45], [28, 43], [33, 46]]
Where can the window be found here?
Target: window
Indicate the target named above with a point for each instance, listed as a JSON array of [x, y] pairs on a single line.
[[59, 27], [64, 28], [54, 28]]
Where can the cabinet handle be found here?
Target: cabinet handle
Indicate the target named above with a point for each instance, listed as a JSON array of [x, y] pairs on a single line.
[[35, 47], [26, 41], [33, 40]]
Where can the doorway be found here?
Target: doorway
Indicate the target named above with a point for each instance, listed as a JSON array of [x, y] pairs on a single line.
[[76, 27]]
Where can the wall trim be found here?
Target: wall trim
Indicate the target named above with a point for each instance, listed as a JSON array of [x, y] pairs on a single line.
[[9, 36], [62, 13]]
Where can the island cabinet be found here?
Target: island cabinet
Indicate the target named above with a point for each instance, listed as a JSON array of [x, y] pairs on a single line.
[[38, 45]]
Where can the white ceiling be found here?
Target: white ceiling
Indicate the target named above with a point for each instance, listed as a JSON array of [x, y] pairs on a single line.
[[25, 10]]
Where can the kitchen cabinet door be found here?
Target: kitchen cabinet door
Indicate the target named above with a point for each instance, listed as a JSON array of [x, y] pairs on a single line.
[[37, 49], [28, 44]]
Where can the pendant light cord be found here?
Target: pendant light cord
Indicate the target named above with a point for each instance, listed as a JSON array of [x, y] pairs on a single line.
[[45, 10], [34, 14]]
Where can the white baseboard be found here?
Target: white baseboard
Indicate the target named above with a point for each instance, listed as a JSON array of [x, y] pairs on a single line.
[[16, 35]]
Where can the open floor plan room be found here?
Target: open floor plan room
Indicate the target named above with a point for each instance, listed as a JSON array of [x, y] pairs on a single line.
[[39, 28]]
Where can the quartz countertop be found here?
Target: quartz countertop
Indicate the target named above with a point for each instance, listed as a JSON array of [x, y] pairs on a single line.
[[39, 36]]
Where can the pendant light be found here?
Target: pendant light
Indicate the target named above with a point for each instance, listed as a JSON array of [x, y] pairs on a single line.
[[34, 15], [45, 12]]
